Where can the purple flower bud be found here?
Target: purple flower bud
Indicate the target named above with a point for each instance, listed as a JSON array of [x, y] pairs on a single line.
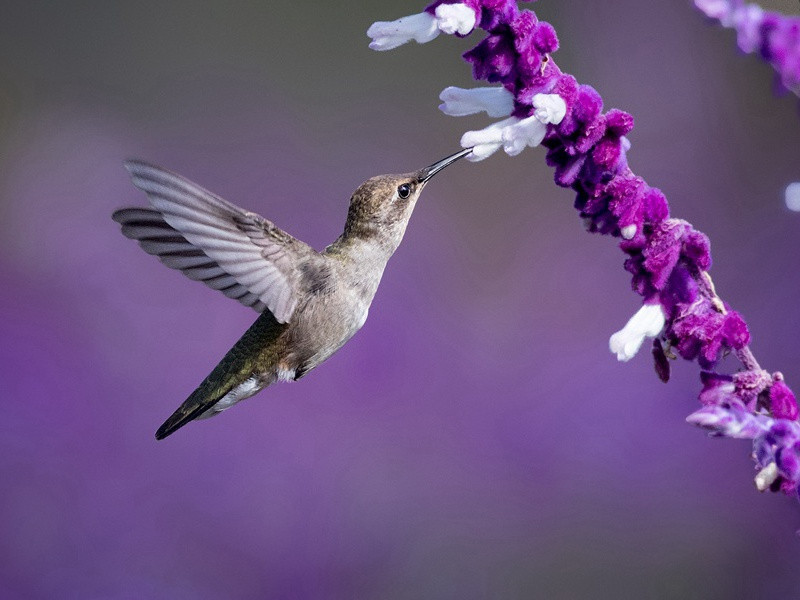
[[496, 13], [607, 153], [782, 432], [655, 204], [529, 63], [788, 463], [700, 331], [782, 402], [680, 289], [523, 28], [749, 385], [663, 250], [660, 361], [567, 167], [697, 249], [619, 122], [588, 104], [591, 133], [717, 389], [734, 331], [492, 59], [545, 38], [626, 194]]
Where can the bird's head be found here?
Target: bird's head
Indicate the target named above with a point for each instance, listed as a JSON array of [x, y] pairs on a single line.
[[381, 206]]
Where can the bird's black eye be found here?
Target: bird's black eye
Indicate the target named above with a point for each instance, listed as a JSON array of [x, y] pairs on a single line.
[[404, 191]]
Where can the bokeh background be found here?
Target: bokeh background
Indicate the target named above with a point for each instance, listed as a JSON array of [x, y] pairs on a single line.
[[476, 439]]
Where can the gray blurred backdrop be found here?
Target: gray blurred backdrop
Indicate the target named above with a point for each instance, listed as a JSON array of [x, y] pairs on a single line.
[[476, 439]]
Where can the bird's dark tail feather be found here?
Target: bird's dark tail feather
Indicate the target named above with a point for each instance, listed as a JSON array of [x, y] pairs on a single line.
[[238, 365], [200, 400]]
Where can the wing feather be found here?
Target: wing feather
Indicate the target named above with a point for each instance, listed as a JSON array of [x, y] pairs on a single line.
[[211, 240]]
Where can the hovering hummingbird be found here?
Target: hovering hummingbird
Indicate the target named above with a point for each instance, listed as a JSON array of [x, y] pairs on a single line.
[[310, 302]]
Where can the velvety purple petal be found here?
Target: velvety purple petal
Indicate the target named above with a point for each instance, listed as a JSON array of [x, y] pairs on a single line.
[[735, 330], [545, 38], [619, 122], [626, 193], [591, 133], [567, 172], [697, 249], [540, 81], [782, 432], [655, 206], [528, 64], [681, 288], [660, 361], [607, 152], [523, 28], [717, 388], [783, 404], [663, 251], [492, 59], [750, 385], [788, 463], [496, 14]]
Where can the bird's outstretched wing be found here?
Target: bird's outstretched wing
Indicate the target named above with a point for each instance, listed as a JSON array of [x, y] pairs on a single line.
[[229, 249]]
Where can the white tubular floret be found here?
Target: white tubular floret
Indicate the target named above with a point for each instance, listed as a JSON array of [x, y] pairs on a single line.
[[495, 101], [646, 323], [485, 142], [387, 35]]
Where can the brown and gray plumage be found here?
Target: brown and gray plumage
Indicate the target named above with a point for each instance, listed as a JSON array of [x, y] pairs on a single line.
[[310, 302]]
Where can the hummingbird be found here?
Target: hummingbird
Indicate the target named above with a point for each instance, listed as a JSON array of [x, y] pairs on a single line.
[[310, 303]]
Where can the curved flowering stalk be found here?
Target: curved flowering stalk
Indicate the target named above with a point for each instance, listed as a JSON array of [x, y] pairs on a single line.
[[668, 259], [774, 36]]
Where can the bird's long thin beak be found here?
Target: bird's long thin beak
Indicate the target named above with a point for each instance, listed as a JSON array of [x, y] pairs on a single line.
[[428, 172]]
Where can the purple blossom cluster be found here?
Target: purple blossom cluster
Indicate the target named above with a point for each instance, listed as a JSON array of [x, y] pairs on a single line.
[[775, 37], [668, 258]]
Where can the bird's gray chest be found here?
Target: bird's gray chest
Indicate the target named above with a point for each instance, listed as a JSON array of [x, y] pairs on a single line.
[[326, 323]]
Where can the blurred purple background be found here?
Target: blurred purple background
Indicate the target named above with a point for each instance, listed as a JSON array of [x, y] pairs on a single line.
[[476, 439]]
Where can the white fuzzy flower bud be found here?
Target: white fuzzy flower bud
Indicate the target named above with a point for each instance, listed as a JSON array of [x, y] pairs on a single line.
[[457, 102], [647, 322], [455, 18], [526, 132], [628, 232], [549, 108], [766, 476]]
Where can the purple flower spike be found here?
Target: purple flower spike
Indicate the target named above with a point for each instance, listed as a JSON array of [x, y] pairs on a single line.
[[668, 259], [774, 36]]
